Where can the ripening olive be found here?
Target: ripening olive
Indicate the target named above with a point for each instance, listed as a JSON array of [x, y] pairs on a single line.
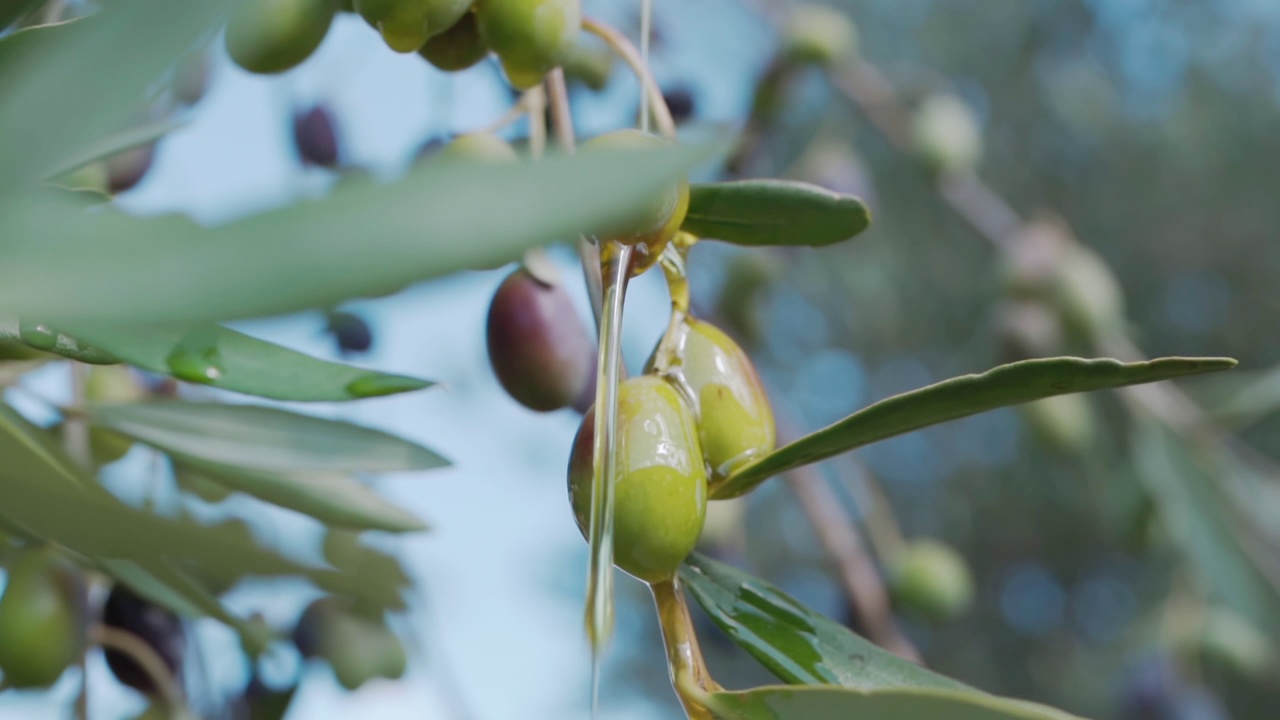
[[315, 137], [538, 346], [680, 102], [405, 25], [735, 420], [42, 629], [589, 66], [820, 35], [127, 168], [661, 499], [357, 647], [457, 48], [351, 332], [154, 625], [946, 134], [271, 36], [191, 78], [654, 226], [530, 37], [931, 579]]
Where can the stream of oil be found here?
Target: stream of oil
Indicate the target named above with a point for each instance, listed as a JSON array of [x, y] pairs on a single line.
[[616, 270], [616, 261]]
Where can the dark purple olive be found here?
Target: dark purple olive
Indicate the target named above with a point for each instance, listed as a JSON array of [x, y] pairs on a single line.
[[316, 137], [154, 625], [126, 169], [538, 346], [351, 332], [681, 103]]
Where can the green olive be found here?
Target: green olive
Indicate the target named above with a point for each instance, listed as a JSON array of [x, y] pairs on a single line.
[[271, 36], [359, 647], [820, 35], [479, 146], [661, 499], [931, 579], [652, 227], [531, 37], [946, 134], [457, 48], [735, 420], [405, 25], [42, 630]]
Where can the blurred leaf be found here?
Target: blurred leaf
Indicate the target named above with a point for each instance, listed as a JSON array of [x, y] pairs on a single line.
[[11, 10], [246, 364], [85, 78], [1217, 540], [334, 498], [773, 212], [263, 438], [831, 703], [849, 676], [798, 645], [120, 141], [365, 238], [1256, 400], [42, 492], [960, 397]]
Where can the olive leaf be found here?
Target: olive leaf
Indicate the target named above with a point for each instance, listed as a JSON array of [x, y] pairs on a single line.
[[241, 363], [11, 10], [334, 498], [959, 397], [263, 438], [773, 212], [80, 80], [846, 675], [836, 703], [63, 262]]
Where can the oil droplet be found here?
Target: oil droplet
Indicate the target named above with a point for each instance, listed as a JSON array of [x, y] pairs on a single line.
[[38, 335], [196, 358], [194, 366], [376, 384]]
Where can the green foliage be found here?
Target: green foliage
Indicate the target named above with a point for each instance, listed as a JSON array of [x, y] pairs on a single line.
[[773, 212], [959, 397]]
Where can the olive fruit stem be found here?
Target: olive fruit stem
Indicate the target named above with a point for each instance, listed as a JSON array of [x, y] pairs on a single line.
[[562, 123], [512, 115], [536, 105], [688, 669], [625, 50], [146, 658]]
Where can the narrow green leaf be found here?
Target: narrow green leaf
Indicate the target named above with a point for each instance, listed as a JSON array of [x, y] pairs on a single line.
[[774, 212], [960, 397], [151, 587], [117, 142], [834, 703], [333, 498], [263, 438], [87, 79], [242, 364], [847, 676], [11, 10], [798, 645], [63, 262]]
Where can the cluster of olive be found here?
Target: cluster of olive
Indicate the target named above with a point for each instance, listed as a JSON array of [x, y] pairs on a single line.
[[530, 37], [44, 619], [697, 413]]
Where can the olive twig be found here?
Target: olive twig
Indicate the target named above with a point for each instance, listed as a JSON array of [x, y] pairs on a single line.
[[857, 571], [562, 123], [512, 115], [144, 655], [535, 103], [689, 675], [625, 50]]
